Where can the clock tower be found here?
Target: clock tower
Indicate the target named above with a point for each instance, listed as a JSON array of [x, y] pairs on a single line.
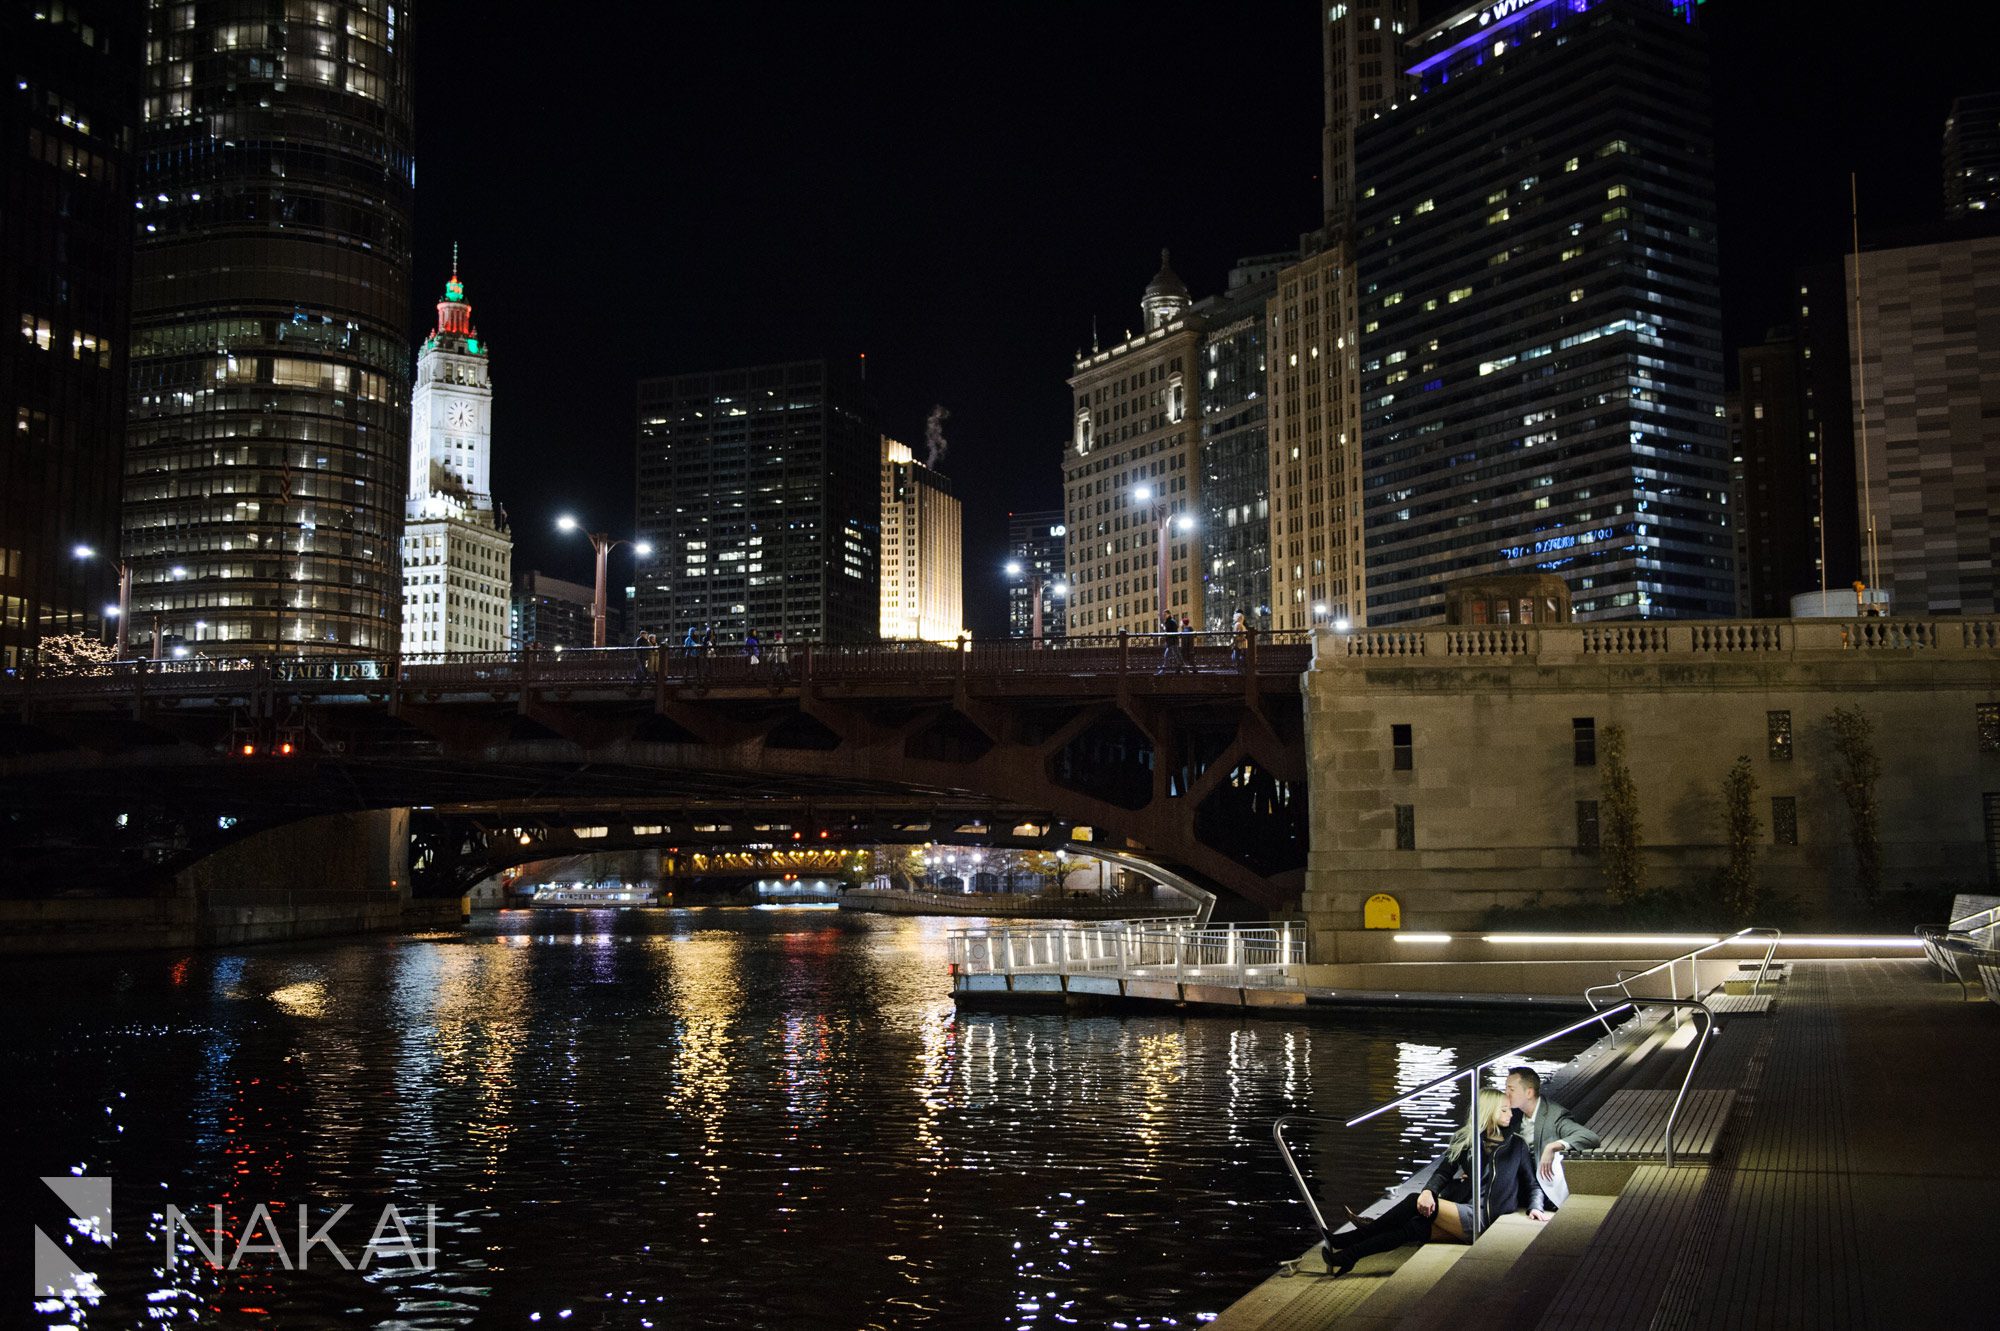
[[457, 555]]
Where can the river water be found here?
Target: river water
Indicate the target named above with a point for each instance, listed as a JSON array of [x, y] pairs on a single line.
[[677, 1119]]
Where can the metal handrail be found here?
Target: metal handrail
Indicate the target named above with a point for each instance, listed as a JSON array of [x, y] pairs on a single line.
[[1470, 1073], [1622, 980]]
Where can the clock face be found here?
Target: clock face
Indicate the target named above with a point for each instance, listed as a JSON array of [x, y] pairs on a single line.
[[459, 416]]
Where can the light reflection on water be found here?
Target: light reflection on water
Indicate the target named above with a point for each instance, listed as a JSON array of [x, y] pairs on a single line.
[[691, 1119]]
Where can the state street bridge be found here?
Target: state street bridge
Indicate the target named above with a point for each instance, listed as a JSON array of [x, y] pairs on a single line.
[[1188, 755]]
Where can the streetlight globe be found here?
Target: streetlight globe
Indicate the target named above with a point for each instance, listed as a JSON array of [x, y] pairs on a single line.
[[643, 548], [1061, 589], [111, 612], [1184, 522], [1341, 625], [1319, 607], [178, 571], [1142, 493], [1013, 568], [566, 522]]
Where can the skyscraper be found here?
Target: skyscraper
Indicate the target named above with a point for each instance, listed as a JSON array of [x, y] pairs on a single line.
[[268, 443], [1925, 342], [457, 556], [1972, 156], [1235, 494], [1131, 474], [1035, 541], [1541, 374], [1313, 338], [66, 130], [923, 550], [760, 493], [549, 612]]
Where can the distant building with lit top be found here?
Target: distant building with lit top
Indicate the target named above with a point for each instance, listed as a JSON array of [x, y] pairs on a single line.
[[1541, 353], [923, 550], [1035, 542], [457, 555]]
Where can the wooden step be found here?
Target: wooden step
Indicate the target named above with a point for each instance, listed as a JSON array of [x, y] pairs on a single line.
[[1391, 1299], [1633, 1123], [1744, 1004], [1508, 1278], [1625, 1268]]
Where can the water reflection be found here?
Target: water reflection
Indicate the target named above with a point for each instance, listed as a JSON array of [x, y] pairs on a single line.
[[703, 1118]]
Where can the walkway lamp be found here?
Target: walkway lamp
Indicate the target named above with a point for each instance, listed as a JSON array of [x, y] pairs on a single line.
[[119, 611], [1167, 521], [602, 543], [1034, 572]]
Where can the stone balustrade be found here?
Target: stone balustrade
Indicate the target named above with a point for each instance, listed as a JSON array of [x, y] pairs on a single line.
[[1659, 641]]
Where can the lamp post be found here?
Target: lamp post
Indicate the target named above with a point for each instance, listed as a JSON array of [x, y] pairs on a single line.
[[1166, 521], [120, 611], [1034, 597], [604, 545], [158, 651]]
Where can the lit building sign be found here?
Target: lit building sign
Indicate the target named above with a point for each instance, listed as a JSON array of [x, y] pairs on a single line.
[[1499, 14]]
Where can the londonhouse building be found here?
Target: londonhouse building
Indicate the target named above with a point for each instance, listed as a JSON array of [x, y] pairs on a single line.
[[1541, 372], [1132, 468], [759, 490], [457, 555], [270, 372]]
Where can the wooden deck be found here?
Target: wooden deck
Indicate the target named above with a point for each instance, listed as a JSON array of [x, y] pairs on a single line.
[[1739, 1005], [1634, 1124], [1844, 1181]]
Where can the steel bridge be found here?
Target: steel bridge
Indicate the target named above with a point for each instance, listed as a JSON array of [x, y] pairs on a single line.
[[1186, 752]]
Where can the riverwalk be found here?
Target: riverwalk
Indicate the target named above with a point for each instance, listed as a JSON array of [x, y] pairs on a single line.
[[1850, 1182]]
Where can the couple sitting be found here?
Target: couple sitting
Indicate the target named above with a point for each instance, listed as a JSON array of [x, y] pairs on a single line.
[[1523, 1139]]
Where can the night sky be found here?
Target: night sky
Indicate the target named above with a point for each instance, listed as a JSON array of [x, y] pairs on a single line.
[[956, 191]]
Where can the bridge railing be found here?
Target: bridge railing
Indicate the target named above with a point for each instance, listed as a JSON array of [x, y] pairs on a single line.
[[777, 666], [1136, 949]]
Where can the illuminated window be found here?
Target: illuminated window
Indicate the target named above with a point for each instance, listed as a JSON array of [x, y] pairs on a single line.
[[1778, 733]]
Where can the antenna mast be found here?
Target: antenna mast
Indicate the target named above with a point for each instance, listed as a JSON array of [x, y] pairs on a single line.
[[1861, 389]]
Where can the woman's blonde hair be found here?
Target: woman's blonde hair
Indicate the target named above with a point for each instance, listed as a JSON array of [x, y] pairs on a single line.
[[1492, 1113]]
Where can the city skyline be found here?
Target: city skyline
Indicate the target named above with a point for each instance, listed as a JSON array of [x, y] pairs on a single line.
[[989, 326]]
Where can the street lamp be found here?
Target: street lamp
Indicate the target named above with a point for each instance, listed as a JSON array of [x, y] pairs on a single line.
[[1167, 522], [1034, 572], [178, 573], [604, 545], [118, 611]]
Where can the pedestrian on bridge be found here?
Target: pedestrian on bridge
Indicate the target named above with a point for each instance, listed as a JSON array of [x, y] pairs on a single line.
[[1169, 626], [752, 649]]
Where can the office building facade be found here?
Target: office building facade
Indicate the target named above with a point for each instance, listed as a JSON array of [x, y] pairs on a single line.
[[760, 492], [1924, 326], [923, 550], [268, 421], [545, 613], [1313, 337], [67, 128], [1541, 371], [1036, 541], [457, 555], [1235, 495], [1132, 471]]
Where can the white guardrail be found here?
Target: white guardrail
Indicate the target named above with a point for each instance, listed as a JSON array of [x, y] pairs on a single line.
[[1156, 949]]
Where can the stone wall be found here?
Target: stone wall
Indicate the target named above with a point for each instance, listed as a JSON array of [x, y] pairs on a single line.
[[1493, 780]]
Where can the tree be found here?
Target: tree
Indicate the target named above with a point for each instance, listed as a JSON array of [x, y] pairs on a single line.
[[1856, 769], [1621, 837], [1048, 866], [74, 654], [1743, 830]]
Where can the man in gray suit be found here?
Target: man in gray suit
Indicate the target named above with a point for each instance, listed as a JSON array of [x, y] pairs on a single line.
[[1546, 1127]]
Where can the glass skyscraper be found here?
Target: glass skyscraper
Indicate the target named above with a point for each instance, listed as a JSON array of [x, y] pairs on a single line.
[[66, 133], [760, 493], [1541, 364], [270, 376], [1235, 462]]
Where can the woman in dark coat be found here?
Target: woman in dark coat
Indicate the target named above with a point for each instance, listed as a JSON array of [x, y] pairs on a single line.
[[1442, 1209]]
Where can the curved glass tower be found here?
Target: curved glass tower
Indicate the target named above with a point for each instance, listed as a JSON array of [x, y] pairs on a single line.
[[269, 421]]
